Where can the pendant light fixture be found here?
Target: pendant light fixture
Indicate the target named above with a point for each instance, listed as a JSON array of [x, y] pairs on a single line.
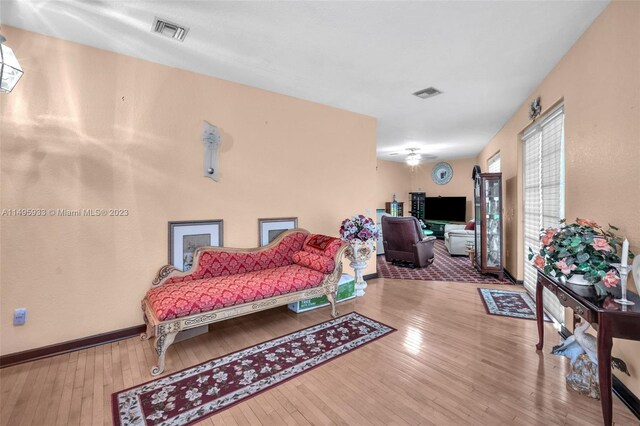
[[10, 71]]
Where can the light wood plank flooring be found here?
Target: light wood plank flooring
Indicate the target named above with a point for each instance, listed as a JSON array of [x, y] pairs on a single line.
[[449, 364]]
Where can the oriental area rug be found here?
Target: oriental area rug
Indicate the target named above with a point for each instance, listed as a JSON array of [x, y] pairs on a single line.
[[193, 394], [444, 268], [508, 303]]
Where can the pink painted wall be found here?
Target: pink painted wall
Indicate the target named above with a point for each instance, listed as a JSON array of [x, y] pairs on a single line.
[[599, 82], [86, 128]]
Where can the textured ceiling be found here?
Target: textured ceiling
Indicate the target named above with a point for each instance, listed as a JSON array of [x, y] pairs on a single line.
[[367, 57]]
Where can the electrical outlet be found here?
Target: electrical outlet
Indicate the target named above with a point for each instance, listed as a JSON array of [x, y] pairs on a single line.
[[20, 316]]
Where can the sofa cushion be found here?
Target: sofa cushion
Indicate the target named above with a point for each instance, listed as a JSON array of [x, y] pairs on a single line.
[[470, 226], [181, 299], [319, 242], [459, 233], [314, 261], [223, 263], [322, 245]]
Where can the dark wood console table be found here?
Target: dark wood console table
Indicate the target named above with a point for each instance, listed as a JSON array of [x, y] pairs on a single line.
[[606, 316]]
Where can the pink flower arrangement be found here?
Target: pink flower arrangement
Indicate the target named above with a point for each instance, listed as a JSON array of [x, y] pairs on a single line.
[[610, 279], [360, 228], [564, 268], [600, 244], [583, 247], [547, 237], [539, 261], [587, 222]]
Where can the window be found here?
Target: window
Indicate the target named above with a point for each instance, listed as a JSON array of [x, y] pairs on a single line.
[[543, 176], [493, 163]]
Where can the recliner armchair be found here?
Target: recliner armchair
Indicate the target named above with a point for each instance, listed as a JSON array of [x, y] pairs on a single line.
[[403, 241]]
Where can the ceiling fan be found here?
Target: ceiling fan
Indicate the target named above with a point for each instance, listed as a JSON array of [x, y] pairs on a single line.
[[414, 157]]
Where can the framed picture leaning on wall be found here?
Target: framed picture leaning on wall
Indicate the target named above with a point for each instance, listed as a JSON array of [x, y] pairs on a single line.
[[186, 236], [270, 228]]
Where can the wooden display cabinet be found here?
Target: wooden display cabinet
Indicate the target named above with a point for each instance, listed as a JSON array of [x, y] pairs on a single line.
[[487, 202]]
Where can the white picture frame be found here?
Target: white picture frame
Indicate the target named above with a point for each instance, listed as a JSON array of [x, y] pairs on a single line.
[[186, 236], [270, 228]]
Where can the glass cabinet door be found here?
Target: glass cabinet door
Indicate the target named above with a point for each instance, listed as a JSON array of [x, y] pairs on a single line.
[[493, 222], [478, 222]]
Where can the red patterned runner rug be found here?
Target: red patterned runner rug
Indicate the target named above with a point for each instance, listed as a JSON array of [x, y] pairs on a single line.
[[190, 395]]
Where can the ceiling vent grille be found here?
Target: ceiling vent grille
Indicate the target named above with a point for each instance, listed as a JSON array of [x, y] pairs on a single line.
[[427, 93], [169, 29]]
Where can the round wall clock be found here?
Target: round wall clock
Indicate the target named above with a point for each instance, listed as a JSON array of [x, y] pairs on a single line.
[[442, 173]]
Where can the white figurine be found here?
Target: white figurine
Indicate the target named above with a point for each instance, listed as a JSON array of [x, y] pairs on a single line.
[[577, 344], [587, 341], [569, 348]]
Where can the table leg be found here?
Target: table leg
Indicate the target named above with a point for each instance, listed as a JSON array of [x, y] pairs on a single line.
[[604, 368], [539, 315]]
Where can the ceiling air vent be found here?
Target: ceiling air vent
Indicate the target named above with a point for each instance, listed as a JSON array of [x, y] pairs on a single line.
[[169, 29], [427, 93]]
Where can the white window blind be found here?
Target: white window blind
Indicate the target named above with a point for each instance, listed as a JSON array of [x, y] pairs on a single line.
[[493, 164], [543, 176]]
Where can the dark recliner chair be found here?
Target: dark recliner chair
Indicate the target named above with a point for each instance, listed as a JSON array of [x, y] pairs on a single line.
[[403, 241]]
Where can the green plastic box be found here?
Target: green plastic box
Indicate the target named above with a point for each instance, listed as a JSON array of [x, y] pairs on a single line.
[[346, 291]]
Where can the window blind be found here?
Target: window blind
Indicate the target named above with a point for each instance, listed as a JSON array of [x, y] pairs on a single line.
[[543, 180], [493, 164]]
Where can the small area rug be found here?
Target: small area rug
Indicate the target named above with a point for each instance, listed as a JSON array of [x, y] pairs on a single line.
[[508, 303], [444, 268], [195, 393]]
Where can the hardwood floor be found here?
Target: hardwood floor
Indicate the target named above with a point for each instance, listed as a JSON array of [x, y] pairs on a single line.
[[449, 363]]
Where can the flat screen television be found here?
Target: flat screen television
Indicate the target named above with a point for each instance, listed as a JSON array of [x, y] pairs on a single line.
[[452, 209]]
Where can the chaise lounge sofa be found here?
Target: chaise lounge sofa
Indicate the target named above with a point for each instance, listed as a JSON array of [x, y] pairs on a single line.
[[227, 282]]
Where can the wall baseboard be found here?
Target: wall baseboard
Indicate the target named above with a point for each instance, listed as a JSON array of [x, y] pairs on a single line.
[[620, 390], [70, 346], [512, 278], [370, 276]]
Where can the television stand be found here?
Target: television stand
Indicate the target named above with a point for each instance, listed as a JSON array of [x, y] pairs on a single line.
[[437, 226]]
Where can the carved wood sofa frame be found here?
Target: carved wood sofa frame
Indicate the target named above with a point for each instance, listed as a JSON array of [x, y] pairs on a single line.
[[165, 331]]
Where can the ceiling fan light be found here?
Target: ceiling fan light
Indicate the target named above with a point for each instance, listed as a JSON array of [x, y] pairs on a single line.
[[413, 159]]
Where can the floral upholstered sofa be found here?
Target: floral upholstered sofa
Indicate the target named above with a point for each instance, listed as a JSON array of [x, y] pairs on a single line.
[[226, 283]]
